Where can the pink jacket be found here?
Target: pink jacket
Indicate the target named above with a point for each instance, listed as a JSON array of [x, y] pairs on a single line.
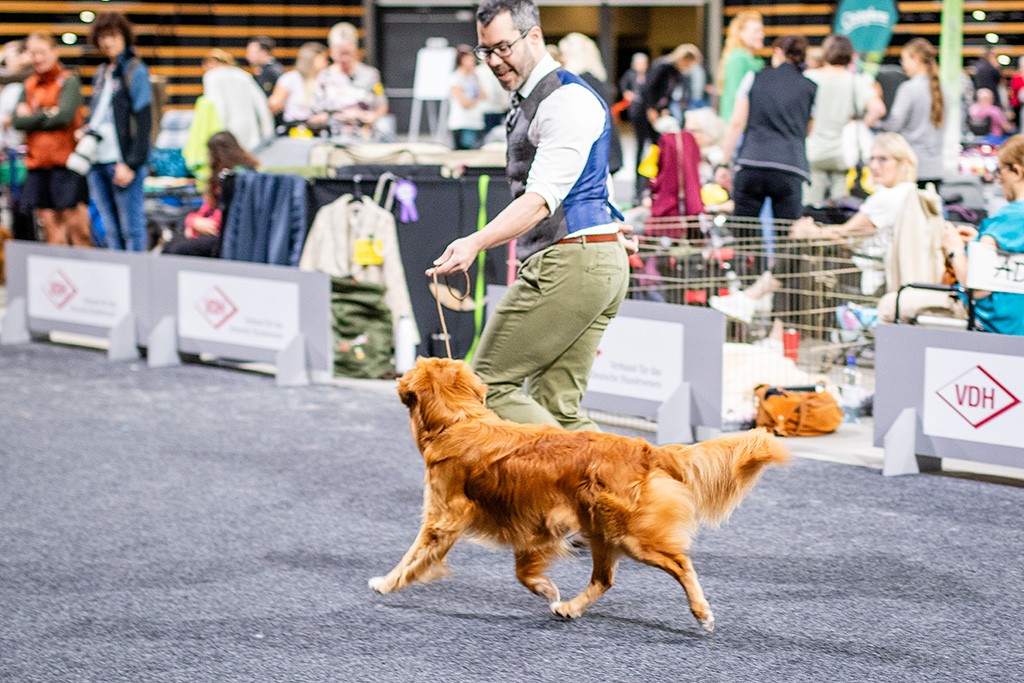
[[678, 159]]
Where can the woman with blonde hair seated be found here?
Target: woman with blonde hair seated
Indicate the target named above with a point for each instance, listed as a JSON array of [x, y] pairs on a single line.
[[893, 167], [292, 97]]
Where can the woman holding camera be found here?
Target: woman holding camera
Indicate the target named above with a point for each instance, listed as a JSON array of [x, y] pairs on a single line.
[[48, 113], [121, 115]]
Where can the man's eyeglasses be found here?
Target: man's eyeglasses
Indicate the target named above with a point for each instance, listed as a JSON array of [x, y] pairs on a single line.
[[503, 50]]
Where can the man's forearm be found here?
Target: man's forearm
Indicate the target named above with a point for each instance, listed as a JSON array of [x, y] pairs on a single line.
[[515, 220]]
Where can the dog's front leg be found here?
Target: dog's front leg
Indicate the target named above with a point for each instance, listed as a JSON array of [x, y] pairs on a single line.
[[425, 556], [601, 579]]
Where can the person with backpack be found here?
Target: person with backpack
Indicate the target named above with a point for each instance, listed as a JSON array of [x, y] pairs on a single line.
[[48, 113], [121, 115]]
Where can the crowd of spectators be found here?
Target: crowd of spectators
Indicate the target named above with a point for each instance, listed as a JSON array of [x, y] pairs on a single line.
[[773, 137]]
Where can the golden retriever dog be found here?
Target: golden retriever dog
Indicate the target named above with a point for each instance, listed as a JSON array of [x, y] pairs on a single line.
[[530, 486]]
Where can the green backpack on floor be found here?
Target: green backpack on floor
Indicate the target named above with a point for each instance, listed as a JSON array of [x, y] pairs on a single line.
[[363, 332]]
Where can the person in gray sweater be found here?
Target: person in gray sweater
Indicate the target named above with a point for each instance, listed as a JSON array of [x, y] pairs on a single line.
[[919, 109]]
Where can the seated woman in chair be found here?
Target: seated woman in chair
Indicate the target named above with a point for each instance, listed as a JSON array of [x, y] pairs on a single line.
[[894, 172], [1001, 312], [202, 226]]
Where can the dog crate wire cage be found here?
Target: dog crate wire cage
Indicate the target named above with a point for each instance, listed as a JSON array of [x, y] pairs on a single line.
[[796, 308]]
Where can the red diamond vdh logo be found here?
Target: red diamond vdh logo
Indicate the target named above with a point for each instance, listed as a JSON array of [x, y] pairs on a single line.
[[977, 396], [59, 289], [216, 307]]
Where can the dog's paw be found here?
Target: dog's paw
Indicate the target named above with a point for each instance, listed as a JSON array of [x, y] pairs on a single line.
[[708, 622], [379, 584], [565, 610]]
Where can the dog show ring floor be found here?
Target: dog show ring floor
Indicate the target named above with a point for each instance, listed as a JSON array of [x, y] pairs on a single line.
[[202, 524]]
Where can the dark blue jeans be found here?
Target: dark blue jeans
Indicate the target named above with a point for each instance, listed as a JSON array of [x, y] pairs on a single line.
[[124, 220]]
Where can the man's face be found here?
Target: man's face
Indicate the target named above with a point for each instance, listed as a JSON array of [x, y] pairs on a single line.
[[513, 70], [254, 54], [42, 55]]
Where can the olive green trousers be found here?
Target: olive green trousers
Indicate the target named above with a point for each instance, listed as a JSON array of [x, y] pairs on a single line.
[[545, 332]]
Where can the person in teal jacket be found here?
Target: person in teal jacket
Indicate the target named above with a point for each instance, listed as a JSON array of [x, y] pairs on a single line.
[[745, 34], [1001, 312]]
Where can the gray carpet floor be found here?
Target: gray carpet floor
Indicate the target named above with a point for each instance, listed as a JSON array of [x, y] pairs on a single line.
[[201, 524]]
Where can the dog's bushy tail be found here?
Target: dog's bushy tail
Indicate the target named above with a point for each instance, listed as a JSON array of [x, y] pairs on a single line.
[[720, 472]]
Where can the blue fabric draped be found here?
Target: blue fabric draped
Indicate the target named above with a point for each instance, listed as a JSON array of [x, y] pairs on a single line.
[[266, 222]]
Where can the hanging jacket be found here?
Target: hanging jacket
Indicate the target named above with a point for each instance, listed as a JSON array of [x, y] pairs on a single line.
[[678, 160], [266, 219], [333, 247], [915, 254], [241, 105], [205, 124]]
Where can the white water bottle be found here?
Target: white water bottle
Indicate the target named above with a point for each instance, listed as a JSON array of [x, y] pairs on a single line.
[[405, 345], [850, 390]]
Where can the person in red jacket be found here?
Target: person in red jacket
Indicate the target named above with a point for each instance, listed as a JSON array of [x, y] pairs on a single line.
[[49, 112], [1017, 93]]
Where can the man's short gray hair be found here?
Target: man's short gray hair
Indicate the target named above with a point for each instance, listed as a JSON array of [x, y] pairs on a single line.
[[524, 13]]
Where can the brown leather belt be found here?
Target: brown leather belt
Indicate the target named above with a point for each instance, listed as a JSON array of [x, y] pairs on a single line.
[[611, 237]]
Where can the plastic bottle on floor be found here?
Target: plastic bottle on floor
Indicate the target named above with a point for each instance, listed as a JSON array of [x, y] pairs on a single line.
[[405, 345], [850, 390]]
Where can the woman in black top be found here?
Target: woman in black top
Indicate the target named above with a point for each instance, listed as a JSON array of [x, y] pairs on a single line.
[[774, 119], [665, 79]]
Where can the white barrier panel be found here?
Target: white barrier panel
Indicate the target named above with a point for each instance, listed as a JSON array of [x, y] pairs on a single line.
[[74, 291], [963, 391], [237, 310], [973, 396], [661, 362], [171, 304], [639, 358], [246, 312], [92, 292]]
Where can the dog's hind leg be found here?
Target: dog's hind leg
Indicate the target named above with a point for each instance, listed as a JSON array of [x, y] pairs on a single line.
[[601, 579], [425, 558], [530, 567], [681, 567]]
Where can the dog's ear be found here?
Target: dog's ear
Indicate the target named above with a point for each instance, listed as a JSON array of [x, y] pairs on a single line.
[[445, 392], [468, 384], [406, 393]]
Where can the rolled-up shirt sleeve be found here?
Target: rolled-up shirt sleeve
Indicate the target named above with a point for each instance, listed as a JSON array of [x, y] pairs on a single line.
[[566, 126]]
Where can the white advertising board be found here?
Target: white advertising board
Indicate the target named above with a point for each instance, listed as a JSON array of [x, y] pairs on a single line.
[[434, 67], [993, 270], [77, 291], [639, 358], [973, 396], [237, 310]]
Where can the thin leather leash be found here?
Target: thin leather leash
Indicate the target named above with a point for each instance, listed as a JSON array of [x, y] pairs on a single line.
[[440, 311]]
